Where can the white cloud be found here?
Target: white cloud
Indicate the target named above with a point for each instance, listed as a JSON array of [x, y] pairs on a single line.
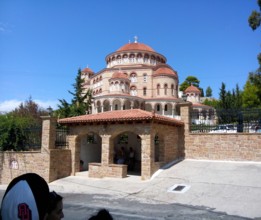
[[2, 29], [5, 27], [9, 105], [46, 104]]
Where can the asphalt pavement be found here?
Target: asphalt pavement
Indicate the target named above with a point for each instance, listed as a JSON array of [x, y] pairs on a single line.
[[231, 188]]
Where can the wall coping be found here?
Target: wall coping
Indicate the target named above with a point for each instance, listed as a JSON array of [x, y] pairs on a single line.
[[109, 165]]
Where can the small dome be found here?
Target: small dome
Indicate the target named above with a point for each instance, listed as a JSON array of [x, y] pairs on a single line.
[[87, 70], [192, 89], [119, 75], [165, 71], [135, 46]]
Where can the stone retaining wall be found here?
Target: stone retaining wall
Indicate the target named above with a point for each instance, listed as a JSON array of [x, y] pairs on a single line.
[[235, 147], [14, 164]]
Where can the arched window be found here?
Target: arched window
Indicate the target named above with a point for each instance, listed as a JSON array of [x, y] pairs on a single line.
[[125, 58], [158, 107], [133, 77], [146, 58], [100, 91], [166, 108], [133, 91], [118, 59], [144, 77], [158, 89], [144, 91], [132, 58], [172, 89], [156, 148], [165, 89]]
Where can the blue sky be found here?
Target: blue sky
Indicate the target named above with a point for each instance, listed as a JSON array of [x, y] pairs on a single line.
[[44, 42]]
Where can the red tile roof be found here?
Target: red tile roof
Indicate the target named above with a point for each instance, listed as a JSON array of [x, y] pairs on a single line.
[[165, 71], [192, 89], [135, 46], [87, 70], [121, 116], [119, 75]]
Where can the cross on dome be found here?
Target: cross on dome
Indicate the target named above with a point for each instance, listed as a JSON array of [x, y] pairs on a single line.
[[135, 39]]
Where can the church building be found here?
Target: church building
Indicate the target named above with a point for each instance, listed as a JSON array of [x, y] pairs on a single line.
[[135, 108]]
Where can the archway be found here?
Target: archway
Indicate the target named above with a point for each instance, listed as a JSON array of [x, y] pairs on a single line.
[[90, 150], [106, 106], [148, 107], [125, 145], [126, 105], [116, 105], [98, 106]]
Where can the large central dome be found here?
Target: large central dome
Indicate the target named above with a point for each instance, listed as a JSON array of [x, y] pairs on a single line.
[[135, 46]]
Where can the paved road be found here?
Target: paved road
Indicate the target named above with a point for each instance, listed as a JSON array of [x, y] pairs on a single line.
[[214, 190], [82, 206]]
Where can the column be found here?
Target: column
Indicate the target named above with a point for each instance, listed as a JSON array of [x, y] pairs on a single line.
[[48, 132], [106, 151]]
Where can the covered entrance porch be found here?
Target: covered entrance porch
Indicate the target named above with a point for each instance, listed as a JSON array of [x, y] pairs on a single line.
[[155, 139]]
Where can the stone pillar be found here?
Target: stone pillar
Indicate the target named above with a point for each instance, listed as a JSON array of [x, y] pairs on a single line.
[[173, 110], [94, 108], [147, 156], [106, 152], [48, 132], [74, 146], [185, 115]]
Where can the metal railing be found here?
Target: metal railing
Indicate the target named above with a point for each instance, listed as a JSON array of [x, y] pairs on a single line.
[[226, 121], [61, 137], [33, 138]]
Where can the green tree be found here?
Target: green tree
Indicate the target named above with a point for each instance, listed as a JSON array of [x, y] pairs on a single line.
[[14, 133], [208, 92], [30, 109], [64, 109], [211, 102], [80, 103], [222, 96], [250, 95], [190, 80], [254, 19], [238, 97], [16, 126]]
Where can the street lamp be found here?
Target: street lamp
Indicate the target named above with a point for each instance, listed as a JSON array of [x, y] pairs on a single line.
[[49, 110]]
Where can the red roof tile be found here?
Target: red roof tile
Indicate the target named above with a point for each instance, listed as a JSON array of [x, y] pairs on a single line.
[[135, 46], [120, 75], [87, 70], [192, 89], [165, 71], [121, 116]]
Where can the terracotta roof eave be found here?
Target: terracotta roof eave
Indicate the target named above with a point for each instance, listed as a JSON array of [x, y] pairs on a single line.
[[104, 120], [132, 115], [155, 119]]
